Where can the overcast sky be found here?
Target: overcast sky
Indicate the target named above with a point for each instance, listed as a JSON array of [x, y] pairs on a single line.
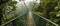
[[28, 1]]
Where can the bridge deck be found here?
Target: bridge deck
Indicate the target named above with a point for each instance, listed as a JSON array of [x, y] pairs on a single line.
[[30, 21]]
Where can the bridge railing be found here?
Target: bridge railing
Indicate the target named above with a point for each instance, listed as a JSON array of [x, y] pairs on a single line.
[[39, 20], [16, 19]]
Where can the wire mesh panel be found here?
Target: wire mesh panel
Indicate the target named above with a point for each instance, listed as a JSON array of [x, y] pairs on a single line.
[[17, 22], [39, 21]]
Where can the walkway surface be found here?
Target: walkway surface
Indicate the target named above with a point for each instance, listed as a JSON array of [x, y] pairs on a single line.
[[30, 21]]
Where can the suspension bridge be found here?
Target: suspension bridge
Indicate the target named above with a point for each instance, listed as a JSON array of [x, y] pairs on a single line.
[[30, 18]]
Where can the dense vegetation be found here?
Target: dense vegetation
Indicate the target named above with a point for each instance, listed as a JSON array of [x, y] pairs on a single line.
[[7, 10], [49, 9]]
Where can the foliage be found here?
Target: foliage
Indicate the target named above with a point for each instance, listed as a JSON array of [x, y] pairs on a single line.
[[49, 9], [6, 8]]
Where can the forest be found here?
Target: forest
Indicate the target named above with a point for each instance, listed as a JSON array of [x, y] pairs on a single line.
[[16, 13]]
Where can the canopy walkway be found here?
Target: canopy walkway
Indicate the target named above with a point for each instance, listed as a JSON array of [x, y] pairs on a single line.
[[29, 18]]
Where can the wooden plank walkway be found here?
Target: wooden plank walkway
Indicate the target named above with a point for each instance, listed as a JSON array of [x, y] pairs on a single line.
[[30, 21]]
